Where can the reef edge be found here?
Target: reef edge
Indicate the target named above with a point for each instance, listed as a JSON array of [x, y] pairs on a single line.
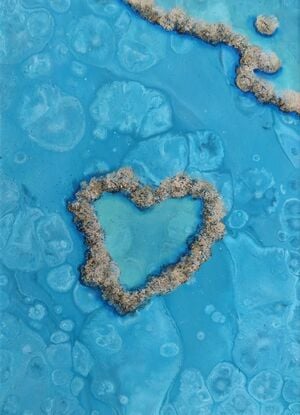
[[100, 271]]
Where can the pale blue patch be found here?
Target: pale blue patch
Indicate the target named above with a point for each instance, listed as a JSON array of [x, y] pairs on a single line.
[[142, 241]]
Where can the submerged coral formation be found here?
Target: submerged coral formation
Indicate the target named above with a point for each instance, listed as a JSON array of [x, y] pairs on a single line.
[[227, 341], [252, 58], [266, 25], [117, 107], [51, 118], [99, 269]]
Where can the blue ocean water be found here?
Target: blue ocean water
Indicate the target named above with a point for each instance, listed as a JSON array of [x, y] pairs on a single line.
[[87, 87]]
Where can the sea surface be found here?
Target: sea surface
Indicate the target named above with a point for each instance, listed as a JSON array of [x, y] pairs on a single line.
[[87, 87]]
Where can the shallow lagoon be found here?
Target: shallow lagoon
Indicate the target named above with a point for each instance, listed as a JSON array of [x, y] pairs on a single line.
[[142, 241], [76, 354]]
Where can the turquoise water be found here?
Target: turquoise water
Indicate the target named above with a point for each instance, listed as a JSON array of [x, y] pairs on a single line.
[[97, 89], [142, 241]]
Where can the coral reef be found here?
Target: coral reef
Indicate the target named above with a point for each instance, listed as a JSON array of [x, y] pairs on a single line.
[[266, 25], [99, 269], [252, 58]]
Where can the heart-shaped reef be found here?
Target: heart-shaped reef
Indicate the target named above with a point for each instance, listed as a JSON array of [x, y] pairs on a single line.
[[100, 270]]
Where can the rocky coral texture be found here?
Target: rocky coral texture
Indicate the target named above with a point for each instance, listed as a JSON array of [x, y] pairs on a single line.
[[266, 25], [252, 58], [99, 269]]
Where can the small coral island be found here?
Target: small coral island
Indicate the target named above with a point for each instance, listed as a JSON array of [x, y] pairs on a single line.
[[99, 269], [266, 25]]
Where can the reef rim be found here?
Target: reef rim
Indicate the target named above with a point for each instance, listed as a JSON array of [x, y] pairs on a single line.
[[100, 271]]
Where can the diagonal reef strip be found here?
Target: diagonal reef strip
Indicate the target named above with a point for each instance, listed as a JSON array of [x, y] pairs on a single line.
[[251, 57], [99, 269]]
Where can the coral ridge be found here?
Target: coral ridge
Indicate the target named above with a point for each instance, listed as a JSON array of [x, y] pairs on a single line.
[[252, 58]]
